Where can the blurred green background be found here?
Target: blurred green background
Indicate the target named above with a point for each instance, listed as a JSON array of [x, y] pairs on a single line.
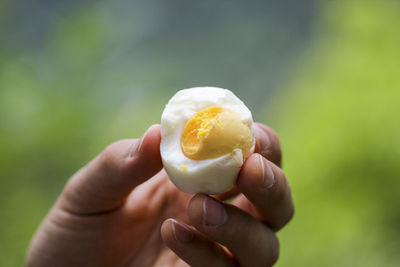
[[78, 75]]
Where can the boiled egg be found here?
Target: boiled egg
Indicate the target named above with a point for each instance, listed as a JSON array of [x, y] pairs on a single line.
[[206, 134]]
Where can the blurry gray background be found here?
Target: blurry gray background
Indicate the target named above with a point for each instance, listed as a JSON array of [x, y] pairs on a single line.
[[145, 46]]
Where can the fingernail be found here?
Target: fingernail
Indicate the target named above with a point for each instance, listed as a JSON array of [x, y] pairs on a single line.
[[138, 144], [268, 177], [182, 233], [264, 141], [214, 213]]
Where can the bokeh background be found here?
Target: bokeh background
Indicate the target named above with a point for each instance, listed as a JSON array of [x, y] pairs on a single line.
[[78, 75]]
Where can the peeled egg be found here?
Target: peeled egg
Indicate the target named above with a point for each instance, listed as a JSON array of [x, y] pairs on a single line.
[[206, 134]]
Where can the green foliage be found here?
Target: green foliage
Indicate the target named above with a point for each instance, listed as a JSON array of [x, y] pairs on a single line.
[[55, 116], [339, 126]]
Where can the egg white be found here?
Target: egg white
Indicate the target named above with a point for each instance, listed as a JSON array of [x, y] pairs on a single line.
[[211, 176]]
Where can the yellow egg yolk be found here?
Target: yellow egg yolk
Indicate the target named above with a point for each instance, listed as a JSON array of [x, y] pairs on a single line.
[[214, 132]]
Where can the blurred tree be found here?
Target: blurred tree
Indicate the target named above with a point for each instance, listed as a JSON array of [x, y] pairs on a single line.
[[339, 127]]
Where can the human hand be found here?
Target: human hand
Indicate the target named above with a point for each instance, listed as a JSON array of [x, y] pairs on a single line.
[[111, 211]]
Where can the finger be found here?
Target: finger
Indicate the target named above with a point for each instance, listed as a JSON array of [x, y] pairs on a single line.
[[267, 143], [192, 247], [250, 241], [265, 185], [106, 181]]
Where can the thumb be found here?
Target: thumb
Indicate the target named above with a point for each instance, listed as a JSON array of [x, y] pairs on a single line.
[[107, 180]]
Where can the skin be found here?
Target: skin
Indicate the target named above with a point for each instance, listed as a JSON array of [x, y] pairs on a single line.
[[118, 210]]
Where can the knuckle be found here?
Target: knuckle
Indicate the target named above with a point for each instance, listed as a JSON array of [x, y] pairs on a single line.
[[107, 152], [110, 149], [268, 143], [277, 195], [269, 131], [107, 159], [280, 192]]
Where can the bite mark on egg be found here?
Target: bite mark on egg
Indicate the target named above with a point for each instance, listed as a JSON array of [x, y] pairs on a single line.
[[207, 133], [214, 132]]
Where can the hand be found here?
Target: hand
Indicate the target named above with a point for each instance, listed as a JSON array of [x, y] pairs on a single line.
[[111, 211]]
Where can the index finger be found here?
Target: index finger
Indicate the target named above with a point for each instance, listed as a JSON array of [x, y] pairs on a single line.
[[267, 143]]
